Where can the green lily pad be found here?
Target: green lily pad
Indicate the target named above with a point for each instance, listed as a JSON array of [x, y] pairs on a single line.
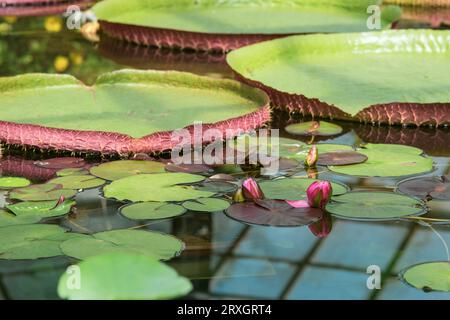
[[206, 205], [314, 128], [350, 71], [158, 187], [151, 210], [31, 241], [41, 192], [301, 152], [9, 219], [386, 160], [125, 111], [107, 277], [294, 188], [115, 170], [13, 182], [158, 245], [219, 186], [262, 17], [41, 209], [250, 143], [430, 276], [72, 172], [78, 182], [375, 206]]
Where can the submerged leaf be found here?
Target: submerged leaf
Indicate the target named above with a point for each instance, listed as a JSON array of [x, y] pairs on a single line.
[[424, 187]]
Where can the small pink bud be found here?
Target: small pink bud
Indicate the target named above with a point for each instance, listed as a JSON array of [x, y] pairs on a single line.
[[319, 194], [59, 202], [298, 203], [322, 228], [312, 157], [251, 190], [239, 196]]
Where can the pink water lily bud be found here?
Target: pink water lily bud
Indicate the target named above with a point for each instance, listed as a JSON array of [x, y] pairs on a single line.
[[59, 202], [251, 190], [319, 194], [322, 228], [298, 203], [312, 157]]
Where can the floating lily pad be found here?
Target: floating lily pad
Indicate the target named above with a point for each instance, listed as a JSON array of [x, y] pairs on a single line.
[[151, 210], [78, 182], [430, 276], [13, 182], [158, 187], [72, 172], [340, 158], [434, 187], [344, 75], [211, 25], [385, 160], [218, 186], [284, 146], [294, 188], [375, 206], [9, 219], [107, 277], [115, 170], [31, 241], [158, 245], [61, 163], [41, 209], [273, 213], [41, 192], [134, 111], [188, 168], [301, 152], [206, 205], [314, 128]]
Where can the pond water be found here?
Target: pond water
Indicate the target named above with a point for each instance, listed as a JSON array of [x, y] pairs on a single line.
[[225, 258]]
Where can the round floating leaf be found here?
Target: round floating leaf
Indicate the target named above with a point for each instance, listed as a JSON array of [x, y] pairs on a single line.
[[9, 219], [340, 158], [61, 163], [78, 182], [301, 152], [72, 172], [188, 168], [158, 187], [41, 209], [294, 188], [375, 206], [248, 144], [115, 170], [31, 241], [217, 186], [273, 213], [151, 210], [314, 128], [107, 277], [430, 276], [434, 187], [158, 245], [41, 192], [13, 182], [386, 160], [206, 205]]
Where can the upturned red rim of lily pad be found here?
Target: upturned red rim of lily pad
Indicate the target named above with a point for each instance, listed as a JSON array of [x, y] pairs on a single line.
[[34, 8]]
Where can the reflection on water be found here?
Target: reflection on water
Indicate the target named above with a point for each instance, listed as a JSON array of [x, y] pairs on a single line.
[[223, 257]]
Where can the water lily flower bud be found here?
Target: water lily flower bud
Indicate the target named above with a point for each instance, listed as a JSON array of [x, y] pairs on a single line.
[[322, 228], [251, 190], [319, 194], [238, 196], [59, 202], [312, 157]]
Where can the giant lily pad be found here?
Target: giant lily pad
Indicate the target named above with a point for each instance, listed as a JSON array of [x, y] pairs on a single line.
[[13, 182], [157, 245], [345, 76], [225, 25], [158, 187], [31, 241], [434, 187], [387, 160], [151, 210], [420, 3], [430, 276], [294, 188], [273, 213], [107, 277], [375, 206], [41, 192], [125, 111], [31, 8]]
